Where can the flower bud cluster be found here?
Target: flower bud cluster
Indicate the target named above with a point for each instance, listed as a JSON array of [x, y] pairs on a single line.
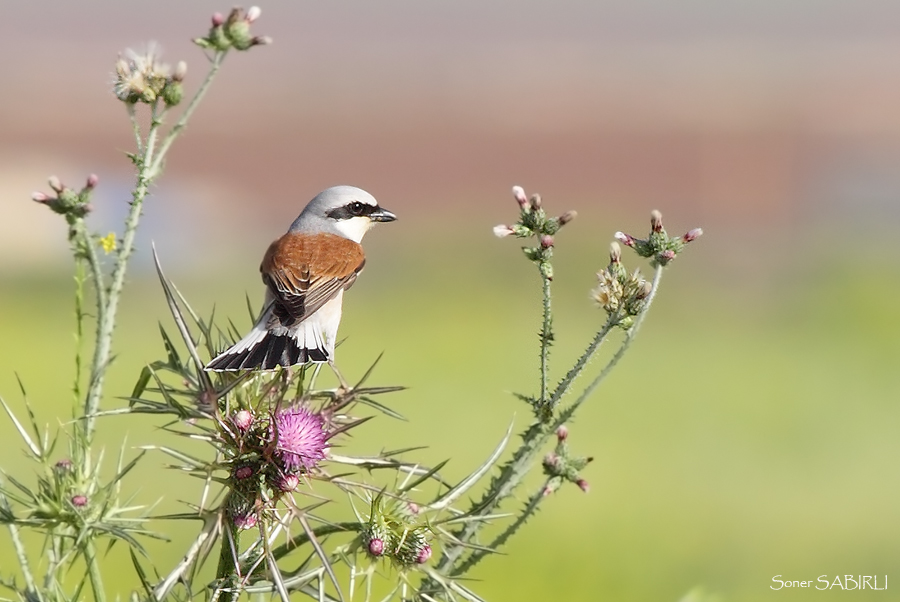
[[534, 222], [141, 77], [620, 293], [68, 202], [658, 245], [561, 466], [268, 456], [233, 31], [391, 532]]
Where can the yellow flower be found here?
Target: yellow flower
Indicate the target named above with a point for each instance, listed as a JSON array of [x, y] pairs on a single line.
[[108, 243]]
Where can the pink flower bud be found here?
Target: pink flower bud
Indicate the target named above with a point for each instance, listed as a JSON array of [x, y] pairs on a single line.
[[253, 14], [667, 255], [242, 419], [535, 201], [499, 231], [562, 433], [79, 501], [583, 485], [656, 221], [376, 546], [40, 197], [244, 472], [546, 241], [55, 184], [424, 554], [244, 521], [64, 465], [288, 482], [547, 490], [519, 195], [692, 235], [218, 19], [625, 239], [92, 181], [412, 507]]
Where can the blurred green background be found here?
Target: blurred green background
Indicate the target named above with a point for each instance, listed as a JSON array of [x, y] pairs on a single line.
[[751, 431]]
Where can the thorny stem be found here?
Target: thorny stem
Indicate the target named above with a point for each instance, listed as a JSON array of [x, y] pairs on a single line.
[[566, 414], [526, 513], [94, 572], [215, 63], [546, 338], [533, 440], [149, 167], [33, 592]]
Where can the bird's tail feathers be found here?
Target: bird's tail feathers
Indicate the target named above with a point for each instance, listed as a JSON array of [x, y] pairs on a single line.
[[266, 349]]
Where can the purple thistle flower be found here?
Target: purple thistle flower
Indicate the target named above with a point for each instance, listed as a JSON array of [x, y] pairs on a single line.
[[300, 438], [287, 482]]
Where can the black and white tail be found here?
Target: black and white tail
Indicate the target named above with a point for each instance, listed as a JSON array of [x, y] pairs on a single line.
[[266, 347]]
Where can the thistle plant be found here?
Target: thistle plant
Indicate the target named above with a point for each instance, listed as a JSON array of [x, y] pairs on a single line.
[[280, 509]]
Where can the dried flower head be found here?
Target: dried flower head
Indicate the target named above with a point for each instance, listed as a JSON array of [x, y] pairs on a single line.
[[300, 438], [140, 76]]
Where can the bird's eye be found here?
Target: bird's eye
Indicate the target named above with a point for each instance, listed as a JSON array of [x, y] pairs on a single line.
[[356, 208]]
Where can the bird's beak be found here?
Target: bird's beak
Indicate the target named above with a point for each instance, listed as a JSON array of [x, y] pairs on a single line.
[[382, 215]]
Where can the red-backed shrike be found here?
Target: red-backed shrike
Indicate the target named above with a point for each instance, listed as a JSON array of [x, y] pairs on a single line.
[[306, 272]]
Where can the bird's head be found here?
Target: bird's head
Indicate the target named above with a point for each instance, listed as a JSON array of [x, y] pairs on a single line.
[[344, 210]]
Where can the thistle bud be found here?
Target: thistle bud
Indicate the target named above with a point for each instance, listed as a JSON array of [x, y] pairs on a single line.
[[172, 93], [217, 19], [253, 14], [567, 217], [615, 253], [546, 241], [535, 201], [180, 71], [551, 463], [519, 195], [692, 235], [79, 501], [244, 520], [40, 197], [288, 482], [64, 465], [562, 433], [625, 239], [656, 221], [55, 184], [666, 256], [502, 231], [92, 181], [424, 554], [242, 419], [260, 41], [376, 546], [583, 485], [243, 472]]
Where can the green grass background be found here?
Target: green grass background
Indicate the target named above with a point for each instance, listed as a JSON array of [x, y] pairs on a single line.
[[750, 432]]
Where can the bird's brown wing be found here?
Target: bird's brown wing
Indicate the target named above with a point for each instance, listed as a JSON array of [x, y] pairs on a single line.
[[305, 271]]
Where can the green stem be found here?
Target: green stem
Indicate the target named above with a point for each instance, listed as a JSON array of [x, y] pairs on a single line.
[[546, 335], [33, 593], [530, 508], [135, 127], [192, 106], [534, 439], [149, 167], [94, 572], [566, 414]]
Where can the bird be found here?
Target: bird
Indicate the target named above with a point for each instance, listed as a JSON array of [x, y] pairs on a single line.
[[306, 272]]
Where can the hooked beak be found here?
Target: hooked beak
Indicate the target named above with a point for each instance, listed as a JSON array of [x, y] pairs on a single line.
[[382, 215]]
